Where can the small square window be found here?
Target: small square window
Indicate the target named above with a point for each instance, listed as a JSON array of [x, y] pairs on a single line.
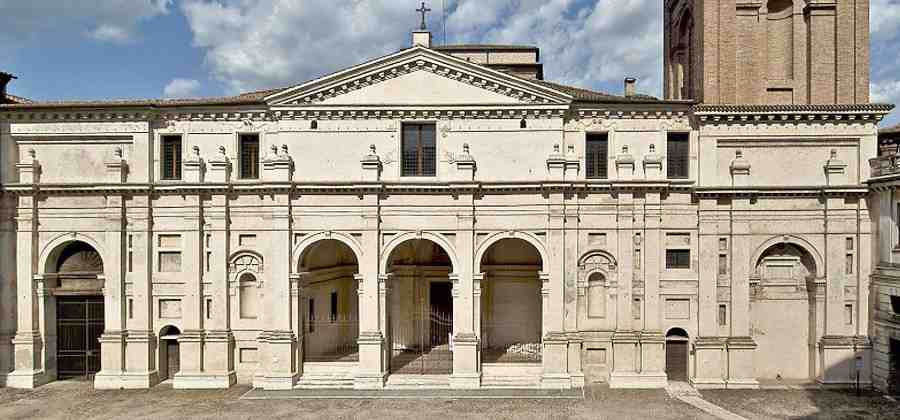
[[678, 258]]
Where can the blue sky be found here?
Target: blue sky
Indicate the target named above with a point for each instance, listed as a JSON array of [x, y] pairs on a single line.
[[61, 49]]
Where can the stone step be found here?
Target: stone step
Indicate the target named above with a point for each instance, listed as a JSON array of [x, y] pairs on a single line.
[[418, 381], [528, 381], [325, 381]]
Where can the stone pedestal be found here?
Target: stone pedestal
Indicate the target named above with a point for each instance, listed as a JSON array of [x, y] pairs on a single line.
[[576, 372], [709, 361], [140, 366], [465, 166], [112, 353], [278, 166], [371, 166], [653, 165], [653, 359], [29, 169], [277, 368], [29, 367], [371, 372], [624, 353], [835, 170], [193, 167], [190, 348], [556, 349], [556, 164], [117, 168], [741, 372], [466, 373], [218, 360], [838, 361], [740, 170], [625, 165], [219, 170]]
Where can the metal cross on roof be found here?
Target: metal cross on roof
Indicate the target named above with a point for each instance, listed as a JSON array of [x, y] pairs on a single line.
[[423, 10]]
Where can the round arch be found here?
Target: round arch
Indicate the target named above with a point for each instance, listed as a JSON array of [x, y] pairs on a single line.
[[677, 333], [301, 247], [527, 237], [53, 248], [438, 239], [793, 240]]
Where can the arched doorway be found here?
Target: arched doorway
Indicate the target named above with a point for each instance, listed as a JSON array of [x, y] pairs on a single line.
[[329, 302], [511, 303], [169, 352], [784, 281], [74, 278], [677, 354], [420, 308]]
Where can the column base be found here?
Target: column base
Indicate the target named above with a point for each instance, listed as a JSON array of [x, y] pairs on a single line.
[[370, 373], [741, 368], [466, 373], [126, 380], [278, 370], [369, 380], [28, 379], [709, 362], [275, 382], [205, 380]]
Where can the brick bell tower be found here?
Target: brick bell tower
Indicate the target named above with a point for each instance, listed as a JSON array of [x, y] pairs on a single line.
[[767, 52]]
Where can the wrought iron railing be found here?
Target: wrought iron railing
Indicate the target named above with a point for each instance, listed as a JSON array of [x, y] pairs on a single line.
[[885, 165], [500, 344]]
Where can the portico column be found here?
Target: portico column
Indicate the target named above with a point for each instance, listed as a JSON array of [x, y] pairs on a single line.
[[836, 353], [112, 341], [466, 363], [709, 348], [28, 342], [141, 341], [625, 340], [652, 341], [374, 353], [740, 346], [556, 341], [190, 342]]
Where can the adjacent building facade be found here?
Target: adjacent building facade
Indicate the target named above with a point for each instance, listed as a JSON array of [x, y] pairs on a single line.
[[444, 216]]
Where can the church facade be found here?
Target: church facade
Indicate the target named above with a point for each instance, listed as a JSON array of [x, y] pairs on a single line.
[[443, 216]]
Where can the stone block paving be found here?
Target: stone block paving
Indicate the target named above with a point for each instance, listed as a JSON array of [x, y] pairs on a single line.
[[69, 400]]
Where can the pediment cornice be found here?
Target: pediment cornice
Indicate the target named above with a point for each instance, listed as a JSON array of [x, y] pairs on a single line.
[[413, 60]]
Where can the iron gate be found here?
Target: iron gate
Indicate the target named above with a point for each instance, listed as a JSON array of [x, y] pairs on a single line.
[[422, 344], [79, 324]]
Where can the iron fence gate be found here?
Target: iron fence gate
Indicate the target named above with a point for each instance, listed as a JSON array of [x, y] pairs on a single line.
[[79, 324], [422, 344]]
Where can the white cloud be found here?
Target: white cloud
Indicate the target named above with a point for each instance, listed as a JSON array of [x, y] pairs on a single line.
[[181, 88], [103, 20], [884, 19], [259, 44]]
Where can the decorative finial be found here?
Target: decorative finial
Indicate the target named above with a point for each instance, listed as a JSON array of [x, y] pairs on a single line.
[[284, 149], [423, 10], [652, 148], [466, 148], [117, 152], [571, 149], [372, 149], [32, 154], [738, 154], [625, 149], [196, 150], [556, 148], [221, 150], [834, 153], [274, 149]]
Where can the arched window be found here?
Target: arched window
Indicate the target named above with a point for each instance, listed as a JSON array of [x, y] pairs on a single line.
[[596, 294], [523, 123], [249, 295], [314, 125]]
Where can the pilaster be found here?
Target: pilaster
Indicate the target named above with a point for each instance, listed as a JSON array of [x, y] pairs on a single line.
[[740, 347], [466, 351], [190, 342], [112, 341], [373, 351]]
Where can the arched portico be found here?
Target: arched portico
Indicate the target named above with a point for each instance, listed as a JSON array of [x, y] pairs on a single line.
[[418, 303]]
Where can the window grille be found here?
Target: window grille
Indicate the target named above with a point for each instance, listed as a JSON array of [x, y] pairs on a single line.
[[596, 155], [677, 155], [419, 150], [249, 156], [171, 157], [678, 258]]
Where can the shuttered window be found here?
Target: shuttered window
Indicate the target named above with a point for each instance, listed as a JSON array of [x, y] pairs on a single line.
[[677, 155], [171, 157], [678, 258], [596, 155], [419, 150], [249, 156]]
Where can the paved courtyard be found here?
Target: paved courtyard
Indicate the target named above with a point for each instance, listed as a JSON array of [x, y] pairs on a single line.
[[65, 400]]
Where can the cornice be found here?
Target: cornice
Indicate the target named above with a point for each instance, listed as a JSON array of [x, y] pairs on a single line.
[[632, 111], [726, 114], [422, 112]]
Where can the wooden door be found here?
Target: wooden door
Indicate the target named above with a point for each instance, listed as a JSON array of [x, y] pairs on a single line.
[[173, 358], [677, 360], [79, 324]]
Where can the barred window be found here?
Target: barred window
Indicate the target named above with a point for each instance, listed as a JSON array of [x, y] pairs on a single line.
[[678, 258], [171, 157], [596, 155], [249, 144], [419, 150], [677, 155]]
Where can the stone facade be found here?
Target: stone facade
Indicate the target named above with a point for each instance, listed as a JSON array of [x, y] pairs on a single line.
[[728, 244]]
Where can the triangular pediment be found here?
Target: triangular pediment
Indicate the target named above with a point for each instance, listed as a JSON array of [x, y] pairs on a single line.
[[418, 76]]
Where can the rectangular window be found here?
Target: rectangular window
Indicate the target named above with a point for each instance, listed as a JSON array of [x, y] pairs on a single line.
[[249, 144], [130, 253], [848, 265], [130, 308], [677, 151], [311, 314], [636, 308], [208, 308], [678, 258], [848, 314], [334, 306], [596, 155], [723, 315], [723, 244], [849, 244], [171, 157], [723, 264], [419, 150]]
